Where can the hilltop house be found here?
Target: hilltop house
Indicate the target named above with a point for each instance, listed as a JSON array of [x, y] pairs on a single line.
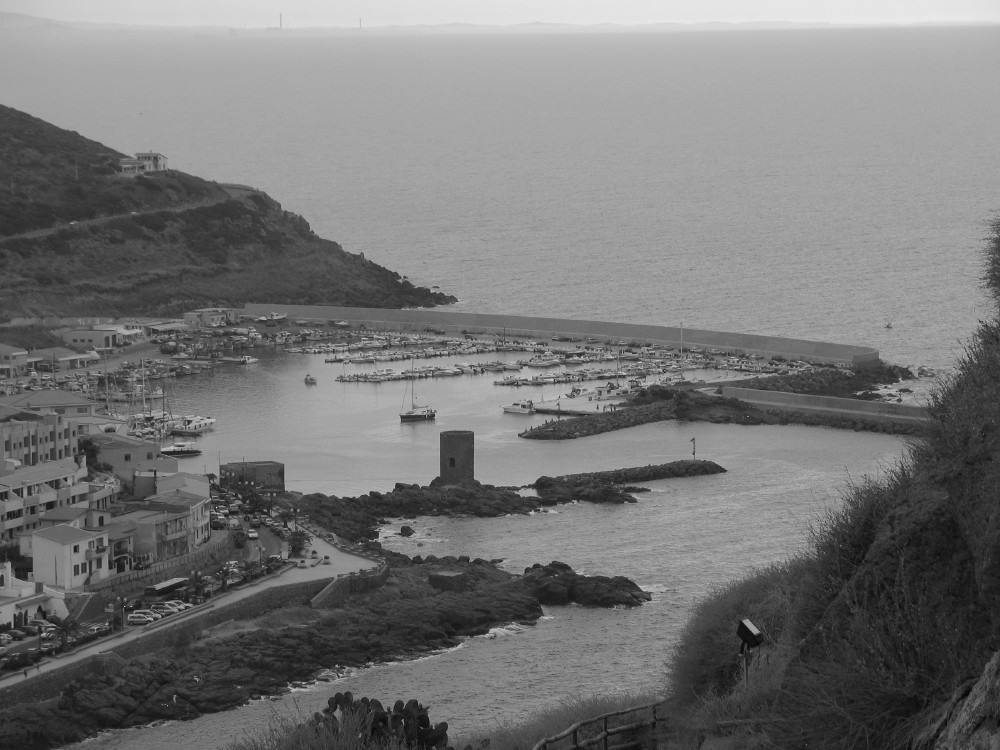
[[146, 161]]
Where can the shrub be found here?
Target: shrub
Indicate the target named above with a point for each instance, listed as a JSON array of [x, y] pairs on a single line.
[[705, 660]]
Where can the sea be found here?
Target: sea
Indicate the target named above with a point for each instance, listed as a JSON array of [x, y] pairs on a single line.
[[831, 184]]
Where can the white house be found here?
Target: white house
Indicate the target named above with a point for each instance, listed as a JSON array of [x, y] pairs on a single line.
[[23, 601], [67, 557]]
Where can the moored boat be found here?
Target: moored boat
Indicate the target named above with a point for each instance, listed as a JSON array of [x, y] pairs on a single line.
[[310, 380]]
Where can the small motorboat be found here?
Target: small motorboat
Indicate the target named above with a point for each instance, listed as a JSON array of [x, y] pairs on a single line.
[[310, 380], [180, 450], [521, 407]]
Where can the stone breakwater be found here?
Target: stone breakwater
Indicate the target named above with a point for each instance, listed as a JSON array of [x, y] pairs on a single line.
[[694, 406], [614, 485]]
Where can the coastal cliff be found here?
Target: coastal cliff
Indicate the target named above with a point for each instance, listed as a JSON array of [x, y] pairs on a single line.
[[886, 633], [78, 237]]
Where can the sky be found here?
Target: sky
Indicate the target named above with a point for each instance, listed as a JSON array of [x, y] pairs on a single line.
[[303, 13]]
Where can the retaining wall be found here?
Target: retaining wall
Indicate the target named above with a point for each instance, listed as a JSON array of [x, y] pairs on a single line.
[[335, 592], [878, 411], [456, 323]]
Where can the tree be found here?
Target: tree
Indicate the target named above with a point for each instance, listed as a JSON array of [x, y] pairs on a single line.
[[297, 542], [65, 628]]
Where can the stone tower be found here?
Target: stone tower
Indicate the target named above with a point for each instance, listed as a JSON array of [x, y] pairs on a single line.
[[458, 457]]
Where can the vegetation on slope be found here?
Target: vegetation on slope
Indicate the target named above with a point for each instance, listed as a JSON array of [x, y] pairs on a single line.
[[874, 630], [78, 238]]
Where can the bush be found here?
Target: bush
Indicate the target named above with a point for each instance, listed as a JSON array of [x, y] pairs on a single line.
[[706, 660]]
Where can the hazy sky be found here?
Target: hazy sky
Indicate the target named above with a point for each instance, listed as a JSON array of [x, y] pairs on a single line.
[[299, 13]]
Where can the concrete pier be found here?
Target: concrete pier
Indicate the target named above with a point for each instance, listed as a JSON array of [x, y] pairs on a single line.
[[459, 323]]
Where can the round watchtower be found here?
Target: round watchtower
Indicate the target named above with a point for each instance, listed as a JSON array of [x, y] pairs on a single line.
[[458, 457]]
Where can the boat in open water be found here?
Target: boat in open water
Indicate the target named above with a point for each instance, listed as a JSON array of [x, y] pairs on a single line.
[[180, 450], [192, 424], [520, 407]]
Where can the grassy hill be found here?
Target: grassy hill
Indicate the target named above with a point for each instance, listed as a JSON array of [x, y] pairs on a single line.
[[886, 633], [79, 238]]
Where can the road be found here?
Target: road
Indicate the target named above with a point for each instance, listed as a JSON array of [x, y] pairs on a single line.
[[340, 563]]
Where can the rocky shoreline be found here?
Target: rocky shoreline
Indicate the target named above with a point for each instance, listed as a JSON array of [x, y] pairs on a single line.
[[427, 604], [357, 519]]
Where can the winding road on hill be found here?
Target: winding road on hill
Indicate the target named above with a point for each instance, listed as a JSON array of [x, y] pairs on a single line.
[[232, 191]]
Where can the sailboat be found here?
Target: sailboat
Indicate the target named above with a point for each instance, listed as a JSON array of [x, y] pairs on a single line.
[[415, 413]]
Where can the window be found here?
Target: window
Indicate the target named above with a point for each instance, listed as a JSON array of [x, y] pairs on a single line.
[[128, 457], [76, 547], [99, 563], [76, 569], [451, 463]]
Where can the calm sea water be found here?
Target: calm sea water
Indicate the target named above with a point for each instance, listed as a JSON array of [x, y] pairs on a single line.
[[815, 184]]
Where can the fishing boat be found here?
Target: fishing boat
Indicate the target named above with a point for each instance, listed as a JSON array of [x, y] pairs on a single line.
[[180, 450], [520, 407], [310, 380], [415, 413]]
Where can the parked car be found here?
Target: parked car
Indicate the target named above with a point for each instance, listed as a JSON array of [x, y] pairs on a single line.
[[153, 615], [3, 650], [162, 609], [17, 635], [179, 603], [31, 629], [137, 619], [100, 628], [5, 639], [49, 647]]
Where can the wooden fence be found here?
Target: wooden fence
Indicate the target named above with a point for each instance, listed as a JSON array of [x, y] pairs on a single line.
[[627, 729]]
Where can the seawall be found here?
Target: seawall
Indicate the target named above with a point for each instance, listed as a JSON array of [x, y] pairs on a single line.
[[457, 323]]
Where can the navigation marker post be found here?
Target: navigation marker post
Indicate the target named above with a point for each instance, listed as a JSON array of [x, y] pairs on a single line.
[[694, 447]]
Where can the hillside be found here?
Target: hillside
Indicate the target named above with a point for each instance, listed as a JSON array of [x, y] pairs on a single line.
[[79, 238], [886, 633]]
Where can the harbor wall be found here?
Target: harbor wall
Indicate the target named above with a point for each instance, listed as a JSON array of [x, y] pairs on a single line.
[[458, 323], [877, 411]]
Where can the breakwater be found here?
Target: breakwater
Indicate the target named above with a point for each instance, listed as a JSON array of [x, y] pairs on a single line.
[[444, 321]]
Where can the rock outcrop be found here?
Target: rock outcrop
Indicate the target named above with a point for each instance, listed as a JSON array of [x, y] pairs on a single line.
[[557, 583]]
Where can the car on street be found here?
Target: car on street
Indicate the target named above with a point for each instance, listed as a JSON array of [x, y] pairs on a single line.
[[252, 534], [17, 635], [136, 619], [5, 639], [49, 647]]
